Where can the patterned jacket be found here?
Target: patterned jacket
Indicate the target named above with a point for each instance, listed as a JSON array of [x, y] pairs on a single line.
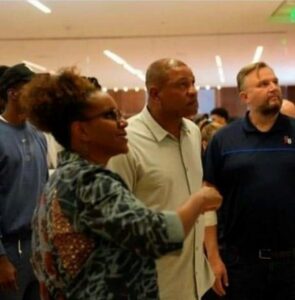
[[92, 239]]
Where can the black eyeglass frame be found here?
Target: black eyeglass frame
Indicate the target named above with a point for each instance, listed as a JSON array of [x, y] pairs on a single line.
[[112, 114]]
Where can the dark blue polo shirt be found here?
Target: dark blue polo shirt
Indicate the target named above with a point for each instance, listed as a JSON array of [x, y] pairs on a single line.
[[255, 173]]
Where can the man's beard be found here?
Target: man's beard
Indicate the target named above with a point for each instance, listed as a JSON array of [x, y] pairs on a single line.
[[271, 110]]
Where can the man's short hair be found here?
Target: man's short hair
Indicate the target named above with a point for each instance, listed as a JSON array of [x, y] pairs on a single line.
[[157, 71], [220, 111], [248, 69], [13, 76]]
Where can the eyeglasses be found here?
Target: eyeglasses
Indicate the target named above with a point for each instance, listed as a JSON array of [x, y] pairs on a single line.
[[112, 114]]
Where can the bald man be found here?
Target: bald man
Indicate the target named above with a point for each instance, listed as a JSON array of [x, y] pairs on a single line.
[[288, 108], [163, 167]]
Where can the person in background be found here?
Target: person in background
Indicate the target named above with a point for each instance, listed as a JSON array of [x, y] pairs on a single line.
[[2, 103], [208, 129], [200, 119], [163, 168], [288, 108], [252, 163], [219, 115], [92, 238], [23, 173]]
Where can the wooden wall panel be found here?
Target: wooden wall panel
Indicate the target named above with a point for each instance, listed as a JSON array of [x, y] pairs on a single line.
[[229, 99], [291, 93], [131, 102]]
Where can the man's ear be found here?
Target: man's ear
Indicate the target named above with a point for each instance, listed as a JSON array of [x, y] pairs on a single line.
[[154, 92], [244, 97]]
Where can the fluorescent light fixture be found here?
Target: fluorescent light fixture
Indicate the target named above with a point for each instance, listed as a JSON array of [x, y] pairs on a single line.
[[141, 76], [218, 61], [40, 6], [34, 67], [116, 58], [119, 60], [221, 75], [130, 69], [258, 54]]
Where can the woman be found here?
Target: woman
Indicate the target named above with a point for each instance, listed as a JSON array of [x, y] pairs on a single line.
[[92, 238], [208, 129]]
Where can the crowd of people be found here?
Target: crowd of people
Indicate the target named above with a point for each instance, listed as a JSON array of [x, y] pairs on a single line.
[[159, 207]]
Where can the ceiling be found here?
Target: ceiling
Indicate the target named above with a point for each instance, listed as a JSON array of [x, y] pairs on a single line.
[[77, 32]]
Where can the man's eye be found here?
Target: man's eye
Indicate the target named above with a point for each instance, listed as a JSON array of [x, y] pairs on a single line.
[[184, 84], [110, 115]]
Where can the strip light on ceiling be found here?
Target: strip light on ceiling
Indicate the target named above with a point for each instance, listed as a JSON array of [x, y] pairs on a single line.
[[40, 6], [119, 60], [258, 54], [220, 68]]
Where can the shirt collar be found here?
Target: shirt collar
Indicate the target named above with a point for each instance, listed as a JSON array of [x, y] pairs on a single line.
[[159, 132], [279, 125]]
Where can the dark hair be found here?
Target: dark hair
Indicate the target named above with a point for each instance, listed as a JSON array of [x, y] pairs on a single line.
[[2, 102], [53, 102], [13, 77], [94, 81], [220, 111]]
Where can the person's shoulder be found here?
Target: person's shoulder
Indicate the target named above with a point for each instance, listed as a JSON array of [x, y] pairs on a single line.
[[192, 128], [226, 137], [230, 130], [290, 120], [38, 135], [190, 124], [139, 129], [101, 178], [135, 123]]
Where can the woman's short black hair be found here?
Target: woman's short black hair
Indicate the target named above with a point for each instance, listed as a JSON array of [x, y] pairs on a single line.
[[53, 102]]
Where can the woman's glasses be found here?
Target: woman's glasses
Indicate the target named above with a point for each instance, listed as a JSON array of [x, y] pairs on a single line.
[[112, 114]]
